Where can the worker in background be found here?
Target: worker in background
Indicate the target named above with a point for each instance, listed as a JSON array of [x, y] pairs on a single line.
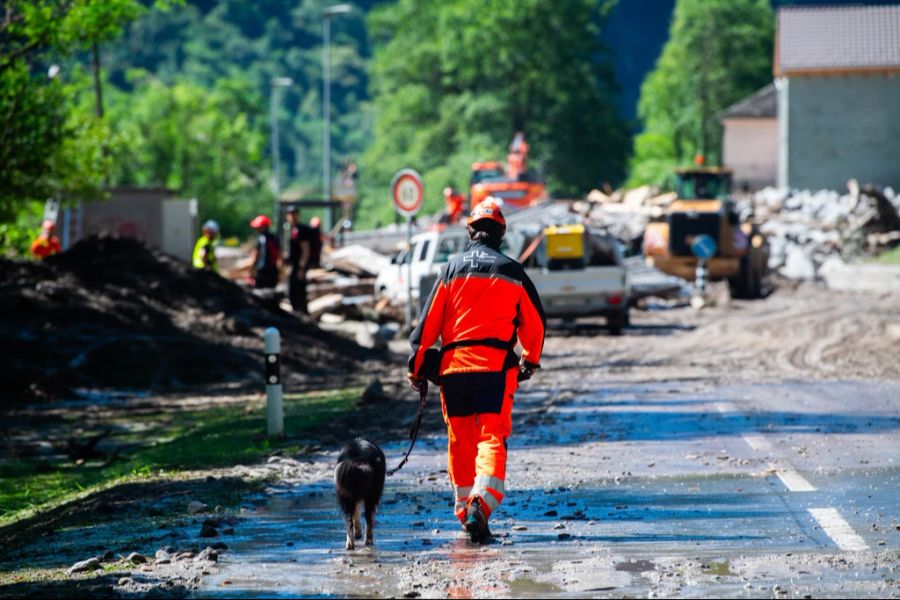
[[454, 201], [205, 248], [515, 159], [481, 304], [315, 247], [299, 254], [266, 255], [46, 244]]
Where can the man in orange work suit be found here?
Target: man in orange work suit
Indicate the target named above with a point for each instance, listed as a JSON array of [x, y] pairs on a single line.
[[481, 304]]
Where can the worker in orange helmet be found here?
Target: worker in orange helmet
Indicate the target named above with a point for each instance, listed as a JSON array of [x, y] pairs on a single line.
[[480, 306], [265, 257], [454, 201], [46, 244]]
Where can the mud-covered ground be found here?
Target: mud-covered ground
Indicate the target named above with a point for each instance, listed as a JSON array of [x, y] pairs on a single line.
[[745, 450], [111, 314]]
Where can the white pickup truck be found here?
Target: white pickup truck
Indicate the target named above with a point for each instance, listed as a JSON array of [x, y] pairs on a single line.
[[594, 285]]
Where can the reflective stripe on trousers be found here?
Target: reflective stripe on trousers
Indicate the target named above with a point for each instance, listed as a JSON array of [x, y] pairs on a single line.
[[490, 489], [462, 498]]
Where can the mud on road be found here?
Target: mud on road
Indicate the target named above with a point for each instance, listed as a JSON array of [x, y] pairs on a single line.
[[747, 450]]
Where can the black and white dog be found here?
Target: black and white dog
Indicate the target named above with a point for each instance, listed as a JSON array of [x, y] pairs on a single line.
[[358, 481]]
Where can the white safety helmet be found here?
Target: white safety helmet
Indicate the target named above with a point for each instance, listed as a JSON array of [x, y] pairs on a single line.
[[211, 226]]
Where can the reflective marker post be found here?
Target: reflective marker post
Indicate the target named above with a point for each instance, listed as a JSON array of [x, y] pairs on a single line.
[[704, 247], [274, 404], [701, 276]]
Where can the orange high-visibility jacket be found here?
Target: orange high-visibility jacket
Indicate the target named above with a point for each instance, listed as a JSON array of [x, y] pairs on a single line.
[[480, 305]]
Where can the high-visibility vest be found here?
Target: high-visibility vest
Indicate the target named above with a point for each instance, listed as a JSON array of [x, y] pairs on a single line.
[[205, 254]]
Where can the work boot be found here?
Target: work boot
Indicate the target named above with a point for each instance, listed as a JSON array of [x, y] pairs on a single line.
[[476, 523]]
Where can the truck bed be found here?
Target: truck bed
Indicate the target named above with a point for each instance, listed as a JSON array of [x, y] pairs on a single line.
[[592, 291]]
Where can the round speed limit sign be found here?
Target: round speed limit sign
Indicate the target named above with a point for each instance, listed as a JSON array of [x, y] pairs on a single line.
[[407, 192]]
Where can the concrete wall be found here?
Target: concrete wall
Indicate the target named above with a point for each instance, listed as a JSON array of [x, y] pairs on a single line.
[[148, 214], [129, 212], [841, 127], [750, 148]]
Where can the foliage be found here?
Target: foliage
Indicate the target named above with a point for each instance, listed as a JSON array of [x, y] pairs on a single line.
[[203, 42], [457, 85], [653, 160], [44, 148], [204, 143], [16, 235], [890, 257], [718, 52]]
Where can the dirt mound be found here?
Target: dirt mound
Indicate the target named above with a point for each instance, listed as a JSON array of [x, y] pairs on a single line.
[[110, 313]]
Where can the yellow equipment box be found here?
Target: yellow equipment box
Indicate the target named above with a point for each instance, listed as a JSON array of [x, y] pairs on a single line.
[[565, 242]]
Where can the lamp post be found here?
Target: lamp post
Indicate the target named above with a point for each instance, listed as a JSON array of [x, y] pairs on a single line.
[[327, 13], [277, 83]]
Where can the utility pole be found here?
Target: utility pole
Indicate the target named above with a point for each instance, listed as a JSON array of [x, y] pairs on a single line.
[[277, 83], [327, 13]]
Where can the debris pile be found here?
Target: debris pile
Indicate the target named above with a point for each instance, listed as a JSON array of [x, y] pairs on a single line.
[[811, 232], [345, 288], [111, 314]]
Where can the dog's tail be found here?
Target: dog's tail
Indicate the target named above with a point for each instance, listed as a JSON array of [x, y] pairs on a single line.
[[354, 478]]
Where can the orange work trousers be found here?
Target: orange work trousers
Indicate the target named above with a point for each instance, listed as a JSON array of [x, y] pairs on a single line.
[[477, 409]]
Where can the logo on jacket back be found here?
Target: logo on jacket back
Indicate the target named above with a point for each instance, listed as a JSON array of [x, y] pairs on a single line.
[[479, 257]]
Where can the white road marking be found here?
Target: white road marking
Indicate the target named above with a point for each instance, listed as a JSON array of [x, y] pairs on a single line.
[[757, 442], [792, 480], [789, 476], [829, 519], [838, 529]]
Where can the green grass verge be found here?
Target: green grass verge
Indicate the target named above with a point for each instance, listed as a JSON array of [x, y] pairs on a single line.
[[169, 445], [891, 257]]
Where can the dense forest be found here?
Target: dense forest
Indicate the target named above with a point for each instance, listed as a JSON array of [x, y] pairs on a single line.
[[183, 93]]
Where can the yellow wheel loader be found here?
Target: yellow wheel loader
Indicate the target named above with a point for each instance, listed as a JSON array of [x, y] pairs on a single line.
[[704, 207]]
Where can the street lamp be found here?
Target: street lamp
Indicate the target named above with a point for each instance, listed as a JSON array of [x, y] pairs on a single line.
[[277, 83], [327, 13]]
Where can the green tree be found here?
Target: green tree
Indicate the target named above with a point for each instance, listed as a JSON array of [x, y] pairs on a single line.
[[718, 52], [257, 40], [46, 148], [452, 81], [204, 143]]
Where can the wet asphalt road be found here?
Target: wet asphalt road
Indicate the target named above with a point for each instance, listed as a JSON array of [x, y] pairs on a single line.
[[683, 488], [748, 451]]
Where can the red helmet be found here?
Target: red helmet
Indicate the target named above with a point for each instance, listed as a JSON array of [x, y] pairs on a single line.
[[261, 222], [487, 209]]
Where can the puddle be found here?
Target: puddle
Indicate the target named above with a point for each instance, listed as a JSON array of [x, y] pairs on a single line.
[[530, 587], [636, 566], [718, 568]]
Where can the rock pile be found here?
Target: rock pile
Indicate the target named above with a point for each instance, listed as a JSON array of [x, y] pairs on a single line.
[[811, 232]]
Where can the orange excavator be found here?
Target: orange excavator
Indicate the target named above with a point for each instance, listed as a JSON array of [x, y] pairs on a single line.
[[513, 183]]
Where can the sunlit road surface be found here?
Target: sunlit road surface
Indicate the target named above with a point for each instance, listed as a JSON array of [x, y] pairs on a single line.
[[681, 488]]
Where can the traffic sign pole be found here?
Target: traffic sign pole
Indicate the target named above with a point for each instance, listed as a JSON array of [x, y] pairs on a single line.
[[409, 298], [407, 193]]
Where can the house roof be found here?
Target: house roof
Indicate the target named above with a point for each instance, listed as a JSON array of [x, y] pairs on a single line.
[[837, 39], [759, 105]]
